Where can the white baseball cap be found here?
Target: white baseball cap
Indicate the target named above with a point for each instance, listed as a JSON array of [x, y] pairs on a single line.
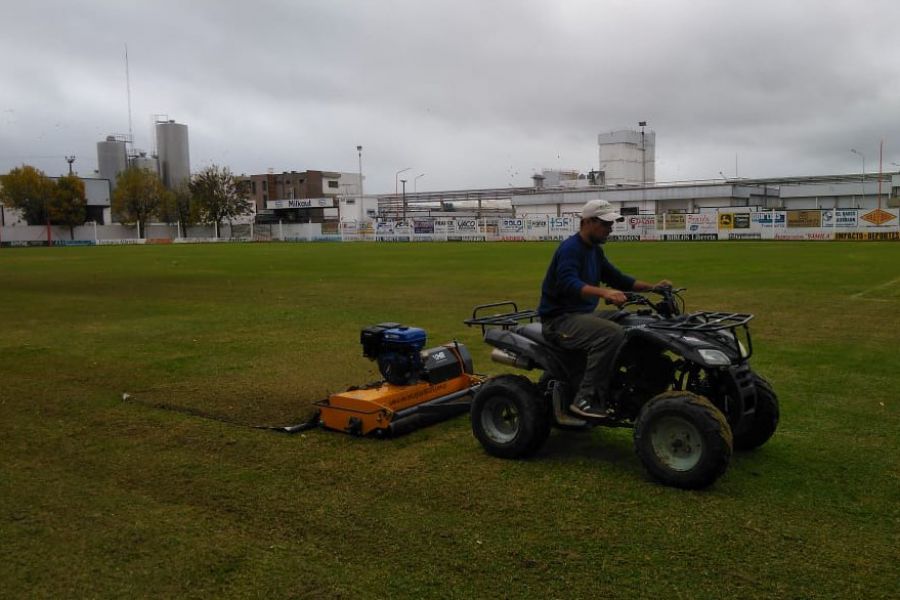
[[600, 209]]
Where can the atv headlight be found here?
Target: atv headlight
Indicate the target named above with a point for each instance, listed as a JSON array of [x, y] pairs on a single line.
[[714, 357]]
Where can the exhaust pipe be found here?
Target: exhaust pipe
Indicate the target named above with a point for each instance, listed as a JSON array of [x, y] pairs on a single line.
[[505, 358]]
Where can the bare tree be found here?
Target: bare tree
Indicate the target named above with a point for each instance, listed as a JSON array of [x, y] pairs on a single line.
[[219, 196]]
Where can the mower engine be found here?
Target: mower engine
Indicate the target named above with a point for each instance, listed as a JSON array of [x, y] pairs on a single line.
[[401, 360]]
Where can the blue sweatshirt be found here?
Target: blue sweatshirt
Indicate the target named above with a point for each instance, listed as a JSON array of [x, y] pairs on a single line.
[[574, 265]]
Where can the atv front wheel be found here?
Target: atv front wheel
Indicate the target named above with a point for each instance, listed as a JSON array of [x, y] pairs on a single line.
[[764, 421], [683, 440], [510, 417]]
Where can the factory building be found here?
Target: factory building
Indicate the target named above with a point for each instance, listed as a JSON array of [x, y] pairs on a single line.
[[627, 157], [305, 196]]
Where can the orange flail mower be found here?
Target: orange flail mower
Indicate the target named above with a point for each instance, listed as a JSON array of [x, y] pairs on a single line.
[[420, 387]]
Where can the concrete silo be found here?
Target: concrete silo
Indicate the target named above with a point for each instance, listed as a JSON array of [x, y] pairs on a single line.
[[173, 152], [112, 159], [628, 157]]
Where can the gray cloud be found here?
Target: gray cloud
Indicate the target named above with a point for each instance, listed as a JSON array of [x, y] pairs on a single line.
[[474, 94]]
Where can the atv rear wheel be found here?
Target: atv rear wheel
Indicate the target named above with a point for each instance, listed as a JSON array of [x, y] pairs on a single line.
[[763, 423], [683, 440], [510, 417]]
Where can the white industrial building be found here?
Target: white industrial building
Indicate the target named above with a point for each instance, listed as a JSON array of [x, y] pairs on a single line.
[[627, 157]]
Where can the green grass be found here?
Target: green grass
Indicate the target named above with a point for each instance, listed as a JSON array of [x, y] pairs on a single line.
[[100, 497]]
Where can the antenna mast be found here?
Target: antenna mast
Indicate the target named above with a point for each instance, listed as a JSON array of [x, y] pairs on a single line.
[[128, 92]]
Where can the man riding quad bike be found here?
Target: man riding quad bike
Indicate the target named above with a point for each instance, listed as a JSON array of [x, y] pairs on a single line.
[[682, 381]]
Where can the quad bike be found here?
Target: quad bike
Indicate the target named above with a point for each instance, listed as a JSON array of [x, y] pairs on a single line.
[[682, 381]]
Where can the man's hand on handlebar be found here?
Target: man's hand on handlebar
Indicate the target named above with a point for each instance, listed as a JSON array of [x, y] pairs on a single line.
[[613, 296]]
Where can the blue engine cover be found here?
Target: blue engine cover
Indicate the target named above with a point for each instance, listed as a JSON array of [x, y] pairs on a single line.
[[399, 339]]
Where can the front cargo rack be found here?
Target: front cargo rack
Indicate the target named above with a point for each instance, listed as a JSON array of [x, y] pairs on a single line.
[[704, 321], [504, 320]]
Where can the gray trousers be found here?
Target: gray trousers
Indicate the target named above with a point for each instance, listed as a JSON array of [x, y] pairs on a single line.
[[598, 337]]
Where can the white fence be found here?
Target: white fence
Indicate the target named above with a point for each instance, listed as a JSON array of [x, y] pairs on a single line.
[[722, 224]]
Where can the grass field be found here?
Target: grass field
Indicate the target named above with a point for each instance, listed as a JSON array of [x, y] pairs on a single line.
[[100, 497]]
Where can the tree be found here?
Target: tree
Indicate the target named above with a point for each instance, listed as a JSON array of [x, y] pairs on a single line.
[[68, 207], [28, 190], [219, 196], [179, 207], [138, 196]]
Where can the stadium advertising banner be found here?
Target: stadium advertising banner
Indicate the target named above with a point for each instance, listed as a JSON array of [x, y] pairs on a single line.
[[467, 226], [674, 221], [878, 218], [768, 218], [349, 227], [384, 228], [423, 226], [444, 226], [301, 203], [804, 218], [561, 226], [537, 227], [641, 222], [511, 229], [871, 236], [511, 226], [840, 218], [726, 220], [702, 223]]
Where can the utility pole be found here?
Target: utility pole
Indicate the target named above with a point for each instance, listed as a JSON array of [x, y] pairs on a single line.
[[70, 160], [643, 124]]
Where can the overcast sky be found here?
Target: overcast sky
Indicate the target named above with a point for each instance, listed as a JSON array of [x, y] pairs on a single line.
[[473, 94]]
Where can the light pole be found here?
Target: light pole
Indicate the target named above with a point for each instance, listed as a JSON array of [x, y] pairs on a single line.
[[403, 181], [396, 176], [415, 181], [359, 151], [863, 179]]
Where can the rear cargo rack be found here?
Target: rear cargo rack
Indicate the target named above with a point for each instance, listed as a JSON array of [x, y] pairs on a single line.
[[504, 320]]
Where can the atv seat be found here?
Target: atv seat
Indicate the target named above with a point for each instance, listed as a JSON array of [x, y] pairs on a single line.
[[533, 332]]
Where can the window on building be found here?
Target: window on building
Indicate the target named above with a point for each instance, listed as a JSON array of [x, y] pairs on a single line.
[[332, 184], [265, 185], [350, 201], [253, 187]]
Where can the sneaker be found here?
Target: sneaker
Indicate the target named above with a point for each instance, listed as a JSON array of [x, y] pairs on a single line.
[[585, 408]]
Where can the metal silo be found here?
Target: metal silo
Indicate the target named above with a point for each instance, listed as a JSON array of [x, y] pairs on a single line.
[[147, 163], [111, 159], [173, 153]]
